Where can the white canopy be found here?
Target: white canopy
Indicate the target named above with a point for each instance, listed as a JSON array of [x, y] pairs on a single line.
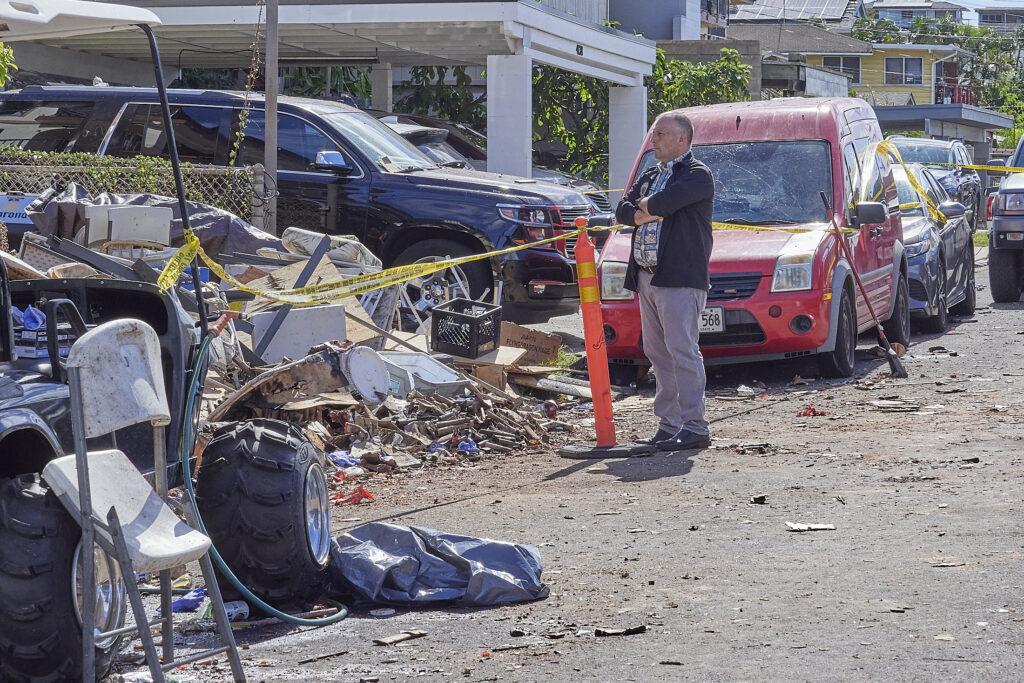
[[42, 19]]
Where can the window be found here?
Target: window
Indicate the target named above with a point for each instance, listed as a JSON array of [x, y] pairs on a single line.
[[851, 168], [847, 65], [197, 131], [297, 142], [769, 181], [43, 126], [987, 18], [903, 71]]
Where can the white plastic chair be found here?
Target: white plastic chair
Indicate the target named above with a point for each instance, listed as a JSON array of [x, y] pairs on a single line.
[[116, 380]]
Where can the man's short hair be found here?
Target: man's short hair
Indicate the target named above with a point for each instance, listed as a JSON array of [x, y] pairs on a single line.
[[681, 120]]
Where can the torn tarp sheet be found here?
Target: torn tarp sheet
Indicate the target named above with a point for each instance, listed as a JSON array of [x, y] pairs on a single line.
[[62, 213], [398, 565]]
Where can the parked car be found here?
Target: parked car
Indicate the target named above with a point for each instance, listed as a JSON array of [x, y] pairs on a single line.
[[940, 253], [782, 294], [1006, 234], [962, 184], [370, 182], [471, 146]]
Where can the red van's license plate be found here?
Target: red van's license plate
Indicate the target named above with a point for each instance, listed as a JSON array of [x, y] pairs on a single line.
[[712, 319]]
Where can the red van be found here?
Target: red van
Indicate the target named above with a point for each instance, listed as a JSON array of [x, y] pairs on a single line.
[[782, 293]]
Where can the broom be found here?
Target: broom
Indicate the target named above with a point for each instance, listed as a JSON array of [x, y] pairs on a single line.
[[894, 362]]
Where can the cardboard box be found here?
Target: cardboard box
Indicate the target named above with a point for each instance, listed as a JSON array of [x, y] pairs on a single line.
[[541, 348]]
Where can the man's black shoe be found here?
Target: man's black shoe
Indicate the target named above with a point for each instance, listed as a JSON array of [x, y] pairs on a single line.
[[685, 440], [660, 435]]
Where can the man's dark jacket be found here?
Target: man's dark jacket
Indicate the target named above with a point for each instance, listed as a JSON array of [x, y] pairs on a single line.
[[684, 247]]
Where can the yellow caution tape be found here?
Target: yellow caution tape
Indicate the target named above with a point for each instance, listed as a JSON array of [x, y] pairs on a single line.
[[978, 167], [312, 295]]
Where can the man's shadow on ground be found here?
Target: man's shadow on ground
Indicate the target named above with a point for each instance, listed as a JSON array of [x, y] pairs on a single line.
[[658, 465]]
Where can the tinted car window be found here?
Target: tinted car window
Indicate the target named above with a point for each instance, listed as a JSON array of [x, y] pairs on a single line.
[[197, 130], [925, 154], [42, 126], [297, 142]]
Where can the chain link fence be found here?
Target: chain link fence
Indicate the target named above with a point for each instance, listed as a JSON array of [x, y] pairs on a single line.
[[240, 191]]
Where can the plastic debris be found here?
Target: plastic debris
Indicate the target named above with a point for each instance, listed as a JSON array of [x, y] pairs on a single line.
[[357, 495], [189, 602], [811, 411]]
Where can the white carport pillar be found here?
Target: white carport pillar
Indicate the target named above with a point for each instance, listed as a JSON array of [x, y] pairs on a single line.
[[627, 125], [510, 114], [381, 87]]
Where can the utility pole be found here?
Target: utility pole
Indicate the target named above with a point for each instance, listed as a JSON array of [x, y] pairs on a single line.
[[270, 133]]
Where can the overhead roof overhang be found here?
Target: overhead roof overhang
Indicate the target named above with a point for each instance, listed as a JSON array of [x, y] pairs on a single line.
[[400, 34], [59, 19], [912, 117]]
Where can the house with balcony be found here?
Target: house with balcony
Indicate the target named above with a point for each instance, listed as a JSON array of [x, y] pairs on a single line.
[[838, 15], [1001, 18], [882, 73], [902, 12]]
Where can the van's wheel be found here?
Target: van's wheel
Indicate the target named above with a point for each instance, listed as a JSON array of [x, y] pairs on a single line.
[[940, 321], [897, 327], [970, 302], [40, 609], [840, 361], [470, 279], [262, 493], [1004, 275]]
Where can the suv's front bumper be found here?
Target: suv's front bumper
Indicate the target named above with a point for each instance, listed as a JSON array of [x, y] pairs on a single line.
[[539, 284], [1006, 232]]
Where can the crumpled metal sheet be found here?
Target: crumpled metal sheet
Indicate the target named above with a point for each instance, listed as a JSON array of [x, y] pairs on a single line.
[[382, 563], [62, 213]]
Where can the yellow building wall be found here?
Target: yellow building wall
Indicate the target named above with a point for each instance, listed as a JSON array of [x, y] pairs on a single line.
[[872, 72]]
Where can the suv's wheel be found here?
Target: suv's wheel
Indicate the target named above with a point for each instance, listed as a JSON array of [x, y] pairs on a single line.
[[262, 492], [940, 320], [1004, 275], [897, 327], [840, 361], [40, 600], [425, 293], [970, 302]]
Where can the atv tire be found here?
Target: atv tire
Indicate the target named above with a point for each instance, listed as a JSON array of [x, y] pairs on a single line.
[[262, 494], [40, 630]]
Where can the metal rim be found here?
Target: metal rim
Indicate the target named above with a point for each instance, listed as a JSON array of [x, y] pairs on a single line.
[[426, 292], [318, 514], [110, 592]]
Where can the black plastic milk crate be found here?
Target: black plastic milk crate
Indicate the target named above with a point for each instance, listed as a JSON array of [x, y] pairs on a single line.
[[466, 328]]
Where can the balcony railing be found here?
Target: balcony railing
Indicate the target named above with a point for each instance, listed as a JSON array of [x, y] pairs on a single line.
[[948, 93]]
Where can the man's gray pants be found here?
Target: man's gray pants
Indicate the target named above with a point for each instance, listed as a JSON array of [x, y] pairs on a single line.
[[670, 318]]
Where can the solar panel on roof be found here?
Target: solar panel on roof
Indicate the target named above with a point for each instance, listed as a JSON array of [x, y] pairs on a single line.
[[793, 9]]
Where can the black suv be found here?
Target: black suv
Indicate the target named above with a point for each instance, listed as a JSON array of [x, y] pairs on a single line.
[[369, 182], [1006, 234], [962, 184]]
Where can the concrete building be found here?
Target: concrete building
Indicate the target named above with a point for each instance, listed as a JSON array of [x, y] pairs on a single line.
[[674, 19], [902, 12]]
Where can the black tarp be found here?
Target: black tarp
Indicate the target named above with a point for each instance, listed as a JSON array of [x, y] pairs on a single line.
[[388, 564]]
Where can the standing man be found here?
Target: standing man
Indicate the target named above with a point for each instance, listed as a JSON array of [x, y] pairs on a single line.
[[670, 205]]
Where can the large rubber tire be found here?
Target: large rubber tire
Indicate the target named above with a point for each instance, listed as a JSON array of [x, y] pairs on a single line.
[[40, 632], [940, 320], [841, 360], [970, 302], [1004, 275], [252, 493], [478, 273], [897, 327]]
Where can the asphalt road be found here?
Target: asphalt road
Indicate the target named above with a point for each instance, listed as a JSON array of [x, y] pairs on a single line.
[[922, 577]]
